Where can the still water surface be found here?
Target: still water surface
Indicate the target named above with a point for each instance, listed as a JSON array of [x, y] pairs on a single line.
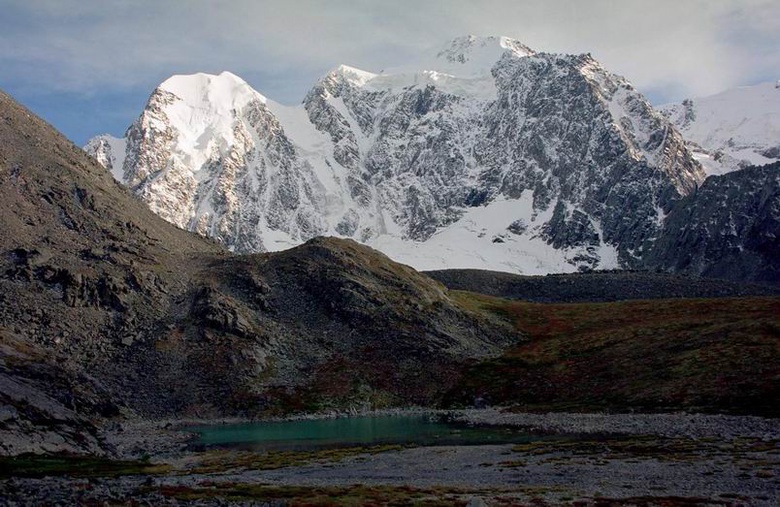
[[343, 432]]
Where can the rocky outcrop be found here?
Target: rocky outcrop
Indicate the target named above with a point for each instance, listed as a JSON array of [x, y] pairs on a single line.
[[729, 228], [218, 312], [45, 407]]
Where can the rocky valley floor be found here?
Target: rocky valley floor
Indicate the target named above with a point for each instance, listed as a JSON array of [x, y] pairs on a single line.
[[598, 459]]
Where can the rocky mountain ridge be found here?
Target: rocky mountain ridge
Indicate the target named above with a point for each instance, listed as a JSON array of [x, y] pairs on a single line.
[[490, 155], [596, 286], [728, 228]]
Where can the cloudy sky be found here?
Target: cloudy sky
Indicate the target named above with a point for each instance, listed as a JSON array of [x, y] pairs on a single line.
[[88, 66]]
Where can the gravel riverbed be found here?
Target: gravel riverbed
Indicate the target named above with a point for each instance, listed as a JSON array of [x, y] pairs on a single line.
[[666, 425]]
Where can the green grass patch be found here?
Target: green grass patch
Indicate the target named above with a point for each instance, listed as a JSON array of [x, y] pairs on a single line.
[[31, 465]]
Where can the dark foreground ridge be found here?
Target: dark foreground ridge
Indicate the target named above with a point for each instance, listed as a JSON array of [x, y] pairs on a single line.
[[596, 286]]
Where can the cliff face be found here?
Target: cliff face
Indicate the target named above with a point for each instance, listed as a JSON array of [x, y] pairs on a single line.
[[728, 228]]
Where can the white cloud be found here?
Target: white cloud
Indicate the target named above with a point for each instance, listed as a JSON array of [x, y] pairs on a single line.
[[670, 48]]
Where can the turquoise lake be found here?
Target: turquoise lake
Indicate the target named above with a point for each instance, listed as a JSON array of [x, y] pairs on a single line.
[[350, 431]]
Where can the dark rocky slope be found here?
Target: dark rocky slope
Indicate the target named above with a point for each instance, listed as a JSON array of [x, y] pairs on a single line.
[[85, 268], [728, 228]]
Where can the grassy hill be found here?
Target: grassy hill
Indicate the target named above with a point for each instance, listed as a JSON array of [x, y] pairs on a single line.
[[707, 355]]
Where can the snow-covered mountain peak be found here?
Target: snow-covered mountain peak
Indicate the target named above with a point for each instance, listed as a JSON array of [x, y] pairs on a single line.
[[352, 75], [463, 67], [344, 76], [489, 155], [468, 57], [203, 110], [471, 56], [207, 90]]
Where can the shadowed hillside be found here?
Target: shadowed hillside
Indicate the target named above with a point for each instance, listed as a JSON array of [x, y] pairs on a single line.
[[595, 286]]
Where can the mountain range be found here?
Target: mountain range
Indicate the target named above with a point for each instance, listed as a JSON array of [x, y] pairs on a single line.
[[487, 155], [108, 310]]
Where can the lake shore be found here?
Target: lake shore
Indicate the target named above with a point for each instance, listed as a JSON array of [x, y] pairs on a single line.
[[627, 458], [133, 439]]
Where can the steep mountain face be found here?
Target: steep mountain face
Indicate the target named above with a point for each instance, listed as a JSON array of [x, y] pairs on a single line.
[[208, 155], [488, 155], [106, 310], [728, 228], [732, 129]]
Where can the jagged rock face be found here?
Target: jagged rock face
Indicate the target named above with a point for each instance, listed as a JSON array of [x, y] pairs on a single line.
[[728, 228], [578, 136], [223, 170], [487, 134]]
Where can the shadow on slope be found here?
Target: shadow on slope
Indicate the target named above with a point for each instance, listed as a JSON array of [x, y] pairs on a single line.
[[344, 326], [596, 286]]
